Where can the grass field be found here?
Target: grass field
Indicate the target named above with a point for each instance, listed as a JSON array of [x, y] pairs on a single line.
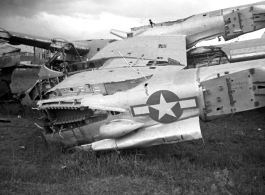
[[232, 161]]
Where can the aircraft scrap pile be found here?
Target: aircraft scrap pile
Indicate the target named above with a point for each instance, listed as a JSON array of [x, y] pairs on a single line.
[[142, 92]]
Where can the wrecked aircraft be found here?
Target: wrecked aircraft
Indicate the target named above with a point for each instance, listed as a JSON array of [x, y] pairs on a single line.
[[141, 95], [163, 107], [70, 52], [66, 53], [82, 55]]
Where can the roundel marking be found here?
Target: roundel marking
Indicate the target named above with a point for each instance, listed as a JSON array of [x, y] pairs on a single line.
[[164, 106]]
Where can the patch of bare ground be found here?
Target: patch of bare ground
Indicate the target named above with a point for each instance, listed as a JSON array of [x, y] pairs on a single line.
[[232, 161]]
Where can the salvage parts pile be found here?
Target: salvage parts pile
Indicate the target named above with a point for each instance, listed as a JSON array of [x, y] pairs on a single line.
[[148, 89]]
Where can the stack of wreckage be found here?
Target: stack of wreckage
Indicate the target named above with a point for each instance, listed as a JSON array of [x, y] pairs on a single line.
[[152, 86]]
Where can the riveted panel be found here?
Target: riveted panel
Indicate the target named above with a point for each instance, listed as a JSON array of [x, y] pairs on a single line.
[[229, 94]]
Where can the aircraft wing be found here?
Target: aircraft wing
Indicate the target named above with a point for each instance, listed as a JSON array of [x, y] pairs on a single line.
[[147, 50], [184, 130], [15, 38]]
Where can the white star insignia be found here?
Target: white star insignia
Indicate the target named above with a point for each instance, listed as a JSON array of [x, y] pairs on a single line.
[[164, 107]]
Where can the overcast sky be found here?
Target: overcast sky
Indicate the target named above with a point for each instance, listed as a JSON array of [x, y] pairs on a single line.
[[90, 19]]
